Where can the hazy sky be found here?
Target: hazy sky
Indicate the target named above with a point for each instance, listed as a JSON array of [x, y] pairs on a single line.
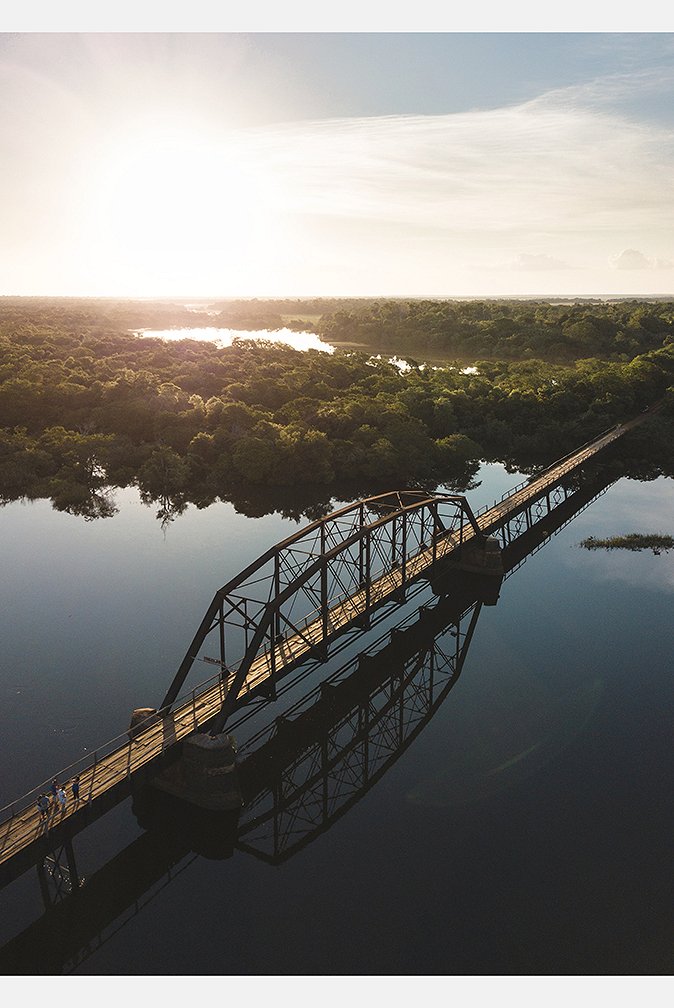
[[294, 164]]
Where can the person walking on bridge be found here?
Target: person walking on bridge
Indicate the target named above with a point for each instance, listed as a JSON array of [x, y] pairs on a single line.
[[61, 796], [43, 806]]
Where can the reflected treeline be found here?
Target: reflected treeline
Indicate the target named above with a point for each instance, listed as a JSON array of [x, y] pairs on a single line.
[[172, 494], [298, 774], [645, 454]]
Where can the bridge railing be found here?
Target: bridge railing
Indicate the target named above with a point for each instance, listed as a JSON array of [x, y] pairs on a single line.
[[553, 465], [86, 766]]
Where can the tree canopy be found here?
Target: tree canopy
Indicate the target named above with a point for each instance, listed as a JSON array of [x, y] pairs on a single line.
[[87, 404]]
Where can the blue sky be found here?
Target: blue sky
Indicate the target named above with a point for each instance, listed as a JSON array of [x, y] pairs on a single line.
[[266, 163]]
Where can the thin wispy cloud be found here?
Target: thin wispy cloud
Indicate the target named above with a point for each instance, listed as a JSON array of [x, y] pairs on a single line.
[[575, 182], [534, 168]]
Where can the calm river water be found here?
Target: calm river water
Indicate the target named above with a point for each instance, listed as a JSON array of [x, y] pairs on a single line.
[[526, 829]]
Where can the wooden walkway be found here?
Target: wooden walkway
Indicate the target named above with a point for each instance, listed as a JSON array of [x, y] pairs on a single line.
[[125, 756]]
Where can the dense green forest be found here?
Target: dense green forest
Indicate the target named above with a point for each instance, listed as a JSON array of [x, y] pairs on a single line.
[[504, 330], [86, 404]]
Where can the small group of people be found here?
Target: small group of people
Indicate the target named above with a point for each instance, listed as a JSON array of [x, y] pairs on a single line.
[[58, 799]]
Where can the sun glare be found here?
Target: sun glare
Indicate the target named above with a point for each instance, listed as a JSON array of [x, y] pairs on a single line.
[[180, 210]]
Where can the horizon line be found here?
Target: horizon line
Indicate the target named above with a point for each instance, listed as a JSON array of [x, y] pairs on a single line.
[[338, 297]]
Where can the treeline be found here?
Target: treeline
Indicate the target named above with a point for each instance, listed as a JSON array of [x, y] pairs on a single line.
[[84, 405], [109, 313], [504, 330]]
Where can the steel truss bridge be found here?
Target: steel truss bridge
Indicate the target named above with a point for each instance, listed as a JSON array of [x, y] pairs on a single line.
[[287, 609], [302, 594], [291, 603], [299, 773]]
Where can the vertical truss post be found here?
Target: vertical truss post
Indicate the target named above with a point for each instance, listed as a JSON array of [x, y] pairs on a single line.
[[274, 637], [276, 797], [393, 543], [361, 547], [277, 592], [324, 777], [436, 527], [368, 580], [401, 711], [324, 600], [404, 549], [223, 671], [324, 589]]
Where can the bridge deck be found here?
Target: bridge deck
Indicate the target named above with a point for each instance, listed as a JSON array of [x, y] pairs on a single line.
[[25, 827], [501, 513]]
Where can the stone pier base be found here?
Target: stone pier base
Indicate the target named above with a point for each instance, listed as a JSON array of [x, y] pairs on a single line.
[[480, 558], [205, 774]]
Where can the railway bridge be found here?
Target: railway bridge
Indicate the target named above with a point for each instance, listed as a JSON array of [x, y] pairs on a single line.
[[289, 608]]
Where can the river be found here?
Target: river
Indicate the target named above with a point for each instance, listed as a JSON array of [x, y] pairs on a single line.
[[525, 829]]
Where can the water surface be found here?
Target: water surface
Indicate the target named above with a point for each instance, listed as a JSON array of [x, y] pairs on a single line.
[[526, 829], [225, 337]]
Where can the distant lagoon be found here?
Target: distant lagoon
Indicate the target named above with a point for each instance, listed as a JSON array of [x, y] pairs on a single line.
[[296, 340], [225, 337]]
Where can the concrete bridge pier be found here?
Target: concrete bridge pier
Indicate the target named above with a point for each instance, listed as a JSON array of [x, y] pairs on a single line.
[[480, 556], [204, 774]]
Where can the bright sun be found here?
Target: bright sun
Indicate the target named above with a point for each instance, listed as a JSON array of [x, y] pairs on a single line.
[[173, 210]]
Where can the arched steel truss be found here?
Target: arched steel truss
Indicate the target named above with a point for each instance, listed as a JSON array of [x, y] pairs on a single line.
[[304, 592]]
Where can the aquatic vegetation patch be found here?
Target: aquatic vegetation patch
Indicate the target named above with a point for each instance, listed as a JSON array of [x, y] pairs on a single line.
[[634, 541]]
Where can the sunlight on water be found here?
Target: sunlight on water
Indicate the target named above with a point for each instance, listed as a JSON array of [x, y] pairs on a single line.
[[225, 337]]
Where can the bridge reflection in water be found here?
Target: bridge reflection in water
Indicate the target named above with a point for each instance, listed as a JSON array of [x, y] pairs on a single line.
[[298, 774]]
